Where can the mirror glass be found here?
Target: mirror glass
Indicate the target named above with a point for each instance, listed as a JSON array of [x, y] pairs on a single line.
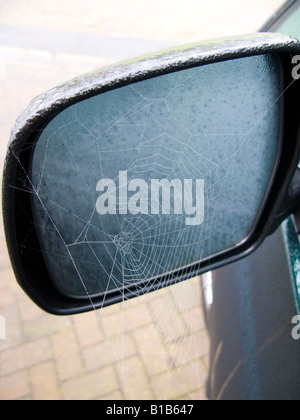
[[154, 177]]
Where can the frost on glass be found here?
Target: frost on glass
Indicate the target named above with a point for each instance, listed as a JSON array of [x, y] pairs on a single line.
[[150, 178]]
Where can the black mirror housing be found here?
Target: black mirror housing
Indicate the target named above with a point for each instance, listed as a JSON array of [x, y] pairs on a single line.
[[31, 263]]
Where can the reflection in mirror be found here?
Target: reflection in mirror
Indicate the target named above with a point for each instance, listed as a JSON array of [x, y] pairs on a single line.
[[157, 176]]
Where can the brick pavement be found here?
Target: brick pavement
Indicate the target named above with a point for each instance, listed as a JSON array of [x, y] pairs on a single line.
[[154, 347], [119, 352]]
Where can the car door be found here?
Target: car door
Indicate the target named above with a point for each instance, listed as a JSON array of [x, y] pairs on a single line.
[[251, 305]]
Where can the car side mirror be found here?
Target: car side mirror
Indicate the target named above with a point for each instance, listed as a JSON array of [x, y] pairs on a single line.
[[143, 175]]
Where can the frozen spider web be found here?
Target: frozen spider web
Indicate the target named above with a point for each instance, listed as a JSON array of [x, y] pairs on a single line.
[[180, 127]]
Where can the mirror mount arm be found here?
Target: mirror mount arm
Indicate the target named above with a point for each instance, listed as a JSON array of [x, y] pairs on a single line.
[[290, 204]]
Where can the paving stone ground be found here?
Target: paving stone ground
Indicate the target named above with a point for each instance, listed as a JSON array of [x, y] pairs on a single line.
[[154, 347]]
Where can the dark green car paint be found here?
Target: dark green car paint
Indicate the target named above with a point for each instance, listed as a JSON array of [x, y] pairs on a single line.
[[291, 26], [292, 246]]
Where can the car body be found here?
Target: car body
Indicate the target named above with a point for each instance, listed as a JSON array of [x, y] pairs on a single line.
[[251, 305]]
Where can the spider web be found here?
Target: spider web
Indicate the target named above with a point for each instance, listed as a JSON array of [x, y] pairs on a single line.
[[188, 125]]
